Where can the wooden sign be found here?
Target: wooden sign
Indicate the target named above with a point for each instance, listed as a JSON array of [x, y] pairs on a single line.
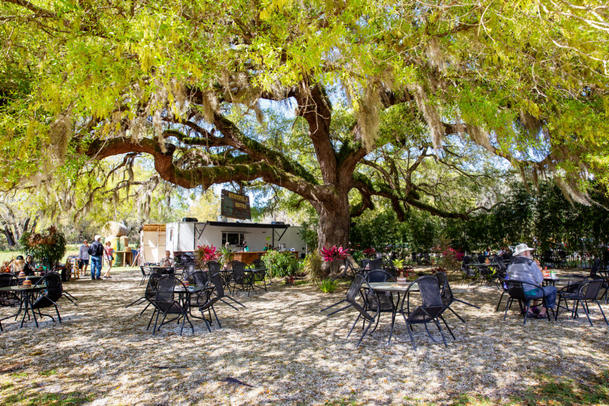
[[235, 205]]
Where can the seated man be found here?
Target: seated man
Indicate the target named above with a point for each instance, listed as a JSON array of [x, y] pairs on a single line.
[[523, 268], [167, 261]]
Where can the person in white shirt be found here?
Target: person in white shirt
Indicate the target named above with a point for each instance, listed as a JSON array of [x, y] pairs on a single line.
[[83, 257]]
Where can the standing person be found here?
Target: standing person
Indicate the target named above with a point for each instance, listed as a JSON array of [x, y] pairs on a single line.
[[523, 268], [109, 255], [96, 251], [83, 258]]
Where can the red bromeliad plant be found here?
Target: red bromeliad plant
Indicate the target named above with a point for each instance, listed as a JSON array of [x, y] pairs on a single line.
[[207, 253], [334, 253], [369, 252]]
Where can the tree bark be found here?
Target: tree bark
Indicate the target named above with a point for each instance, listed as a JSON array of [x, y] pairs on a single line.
[[333, 229]]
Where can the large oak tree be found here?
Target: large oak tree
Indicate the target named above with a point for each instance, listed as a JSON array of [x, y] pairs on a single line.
[[180, 82]]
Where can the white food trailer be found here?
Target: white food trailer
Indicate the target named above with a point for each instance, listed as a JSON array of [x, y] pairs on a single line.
[[186, 236], [152, 243]]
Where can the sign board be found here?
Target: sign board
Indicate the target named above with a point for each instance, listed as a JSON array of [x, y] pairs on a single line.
[[235, 205]]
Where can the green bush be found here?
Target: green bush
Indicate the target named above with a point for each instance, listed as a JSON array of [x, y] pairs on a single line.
[[280, 263], [312, 266], [328, 285]]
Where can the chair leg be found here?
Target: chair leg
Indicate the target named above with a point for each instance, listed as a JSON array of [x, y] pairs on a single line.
[[455, 313], [236, 301], [507, 306], [331, 306], [356, 320], [449, 330], [155, 322], [499, 302], [58, 316], [441, 332], [467, 303], [409, 328], [151, 317], [364, 333], [339, 310], [216, 316], [603, 313], [526, 312], [145, 308], [585, 307]]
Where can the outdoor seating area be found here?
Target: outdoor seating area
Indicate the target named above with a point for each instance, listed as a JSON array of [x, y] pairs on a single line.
[[300, 353]]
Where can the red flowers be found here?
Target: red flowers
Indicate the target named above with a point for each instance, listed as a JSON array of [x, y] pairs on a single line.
[[334, 253], [206, 253], [369, 252]]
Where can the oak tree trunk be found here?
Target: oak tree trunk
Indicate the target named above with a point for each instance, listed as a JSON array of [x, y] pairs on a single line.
[[333, 229]]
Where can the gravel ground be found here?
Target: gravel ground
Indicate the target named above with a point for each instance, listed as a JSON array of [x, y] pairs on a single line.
[[282, 350]]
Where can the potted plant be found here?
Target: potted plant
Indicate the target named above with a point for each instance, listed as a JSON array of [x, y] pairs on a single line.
[[226, 256], [206, 253], [48, 247]]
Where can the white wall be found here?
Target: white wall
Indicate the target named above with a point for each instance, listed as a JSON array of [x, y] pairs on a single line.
[[153, 245], [181, 236]]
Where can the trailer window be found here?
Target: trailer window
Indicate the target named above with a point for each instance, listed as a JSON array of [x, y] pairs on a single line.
[[233, 238]]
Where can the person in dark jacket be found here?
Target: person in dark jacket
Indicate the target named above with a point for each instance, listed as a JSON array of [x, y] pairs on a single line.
[[96, 251]]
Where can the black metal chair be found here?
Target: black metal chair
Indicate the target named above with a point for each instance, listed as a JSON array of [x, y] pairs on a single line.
[[447, 294], [356, 297], [586, 291], [381, 300], [145, 273], [213, 268], [49, 297], [258, 271], [8, 298], [198, 278], [516, 291], [167, 303], [242, 280], [188, 269], [375, 264], [212, 297], [468, 271], [430, 310]]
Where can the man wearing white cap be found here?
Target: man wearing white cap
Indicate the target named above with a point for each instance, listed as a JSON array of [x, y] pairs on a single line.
[[96, 250], [523, 268]]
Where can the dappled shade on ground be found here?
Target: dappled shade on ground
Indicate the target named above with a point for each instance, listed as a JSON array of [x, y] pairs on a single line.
[[282, 350]]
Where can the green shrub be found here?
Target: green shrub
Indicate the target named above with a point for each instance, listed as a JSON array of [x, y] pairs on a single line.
[[328, 285], [312, 266], [280, 263]]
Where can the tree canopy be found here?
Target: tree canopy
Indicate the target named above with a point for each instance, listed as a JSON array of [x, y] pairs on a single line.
[[377, 89]]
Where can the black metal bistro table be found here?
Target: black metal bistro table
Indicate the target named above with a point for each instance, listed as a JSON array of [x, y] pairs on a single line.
[[551, 281], [402, 291], [27, 297]]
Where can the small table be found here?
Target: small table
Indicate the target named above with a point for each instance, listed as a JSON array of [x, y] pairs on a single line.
[[552, 281], [27, 295], [162, 270], [393, 287]]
